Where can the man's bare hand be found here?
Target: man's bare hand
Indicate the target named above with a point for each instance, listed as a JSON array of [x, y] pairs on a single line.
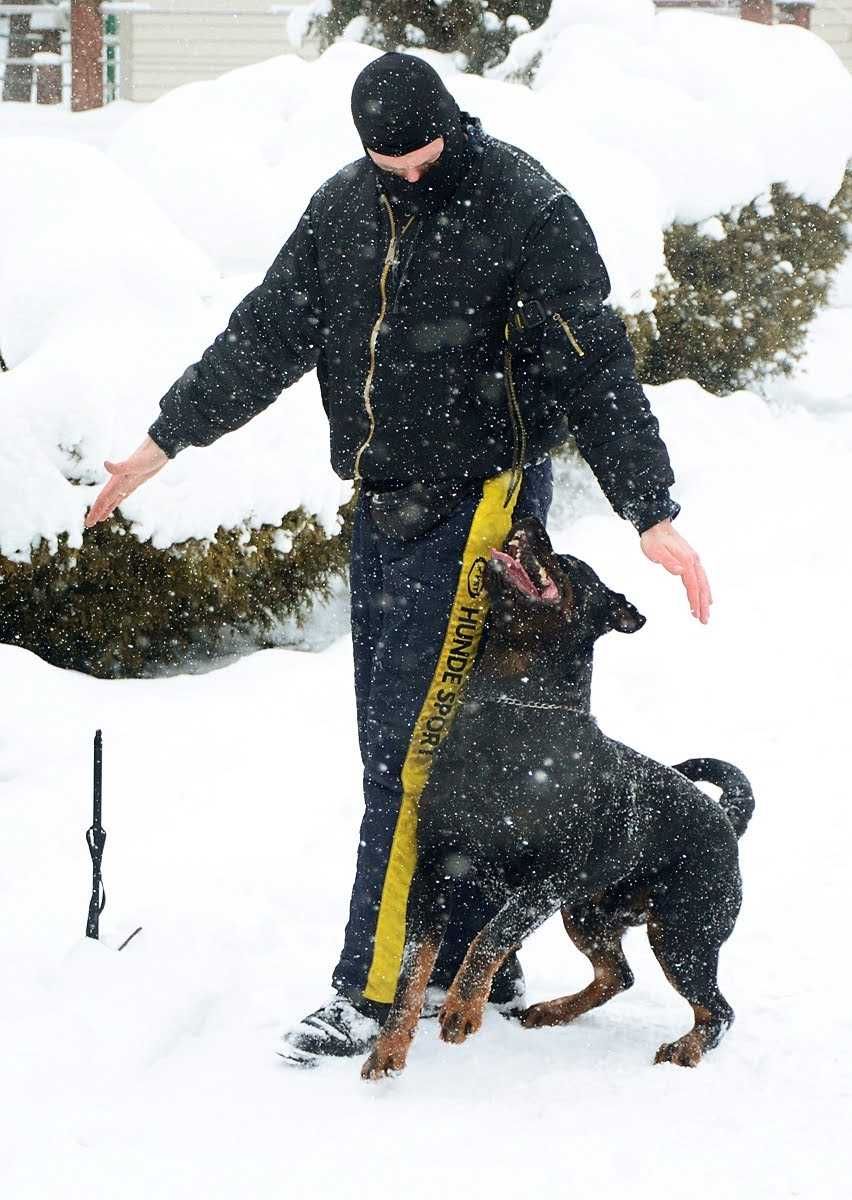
[[664, 545], [125, 477]]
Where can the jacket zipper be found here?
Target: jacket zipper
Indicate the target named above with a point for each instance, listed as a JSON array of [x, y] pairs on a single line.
[[390, 255], [519, 433], [569, 333]]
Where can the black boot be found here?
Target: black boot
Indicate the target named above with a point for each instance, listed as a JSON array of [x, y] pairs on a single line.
[[340, 1029]]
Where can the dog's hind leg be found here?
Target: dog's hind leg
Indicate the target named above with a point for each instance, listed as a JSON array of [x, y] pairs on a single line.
[[600, 940], [689, 955], [426, 921]]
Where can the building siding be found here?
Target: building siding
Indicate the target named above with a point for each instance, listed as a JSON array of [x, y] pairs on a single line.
[[162, 50], [832, 20]]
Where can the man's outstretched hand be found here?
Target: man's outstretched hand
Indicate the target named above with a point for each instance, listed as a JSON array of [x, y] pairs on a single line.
[[664, 545], [125, 477]]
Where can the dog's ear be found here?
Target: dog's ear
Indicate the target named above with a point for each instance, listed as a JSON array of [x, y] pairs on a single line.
[[624, 616]]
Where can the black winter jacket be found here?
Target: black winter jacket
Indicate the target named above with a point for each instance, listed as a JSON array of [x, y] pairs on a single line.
[[450, 345]]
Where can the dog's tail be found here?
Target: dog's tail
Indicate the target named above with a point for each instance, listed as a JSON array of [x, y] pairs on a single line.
[[737, 799]]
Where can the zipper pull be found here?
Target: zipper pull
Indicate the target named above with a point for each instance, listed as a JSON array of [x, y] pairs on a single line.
[[569, 333]]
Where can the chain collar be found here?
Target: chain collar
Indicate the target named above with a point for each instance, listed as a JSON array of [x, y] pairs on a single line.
[[533, 704]]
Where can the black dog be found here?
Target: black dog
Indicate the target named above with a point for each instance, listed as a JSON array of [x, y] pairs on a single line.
[[531, 799]]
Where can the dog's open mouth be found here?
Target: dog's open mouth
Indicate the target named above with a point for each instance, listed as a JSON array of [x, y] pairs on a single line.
[[522, 569]]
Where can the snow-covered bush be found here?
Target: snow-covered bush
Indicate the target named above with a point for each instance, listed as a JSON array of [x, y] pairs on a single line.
[[119, 606], [741, 291], [101, 308], [478, 33]]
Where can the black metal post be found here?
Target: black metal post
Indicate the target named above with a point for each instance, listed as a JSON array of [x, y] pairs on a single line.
[[95, 839]]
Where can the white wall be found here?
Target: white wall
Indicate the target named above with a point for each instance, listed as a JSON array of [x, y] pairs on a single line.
[[195, 39], [832, 20]]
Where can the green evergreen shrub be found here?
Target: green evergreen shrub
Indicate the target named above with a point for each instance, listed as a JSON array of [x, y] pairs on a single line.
[[120, 607], [735, 309], [480, 30]]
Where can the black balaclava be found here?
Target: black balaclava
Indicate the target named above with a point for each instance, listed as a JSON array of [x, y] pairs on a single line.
[[400, 104]]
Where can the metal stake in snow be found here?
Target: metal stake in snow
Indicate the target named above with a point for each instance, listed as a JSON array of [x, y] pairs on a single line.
[[95, 838]]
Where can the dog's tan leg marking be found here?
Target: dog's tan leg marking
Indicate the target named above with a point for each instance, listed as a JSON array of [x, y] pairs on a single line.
[[462, 1011], [612, 975], [689, 1050], [390, 1052], [606, 984]]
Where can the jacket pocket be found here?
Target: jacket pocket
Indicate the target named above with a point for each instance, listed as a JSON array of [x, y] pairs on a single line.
[[410, 512], [548, 359]]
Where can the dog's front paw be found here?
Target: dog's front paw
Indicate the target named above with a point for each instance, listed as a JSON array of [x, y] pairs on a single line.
[[460, 1019], [685, 1052], [386, 1058]]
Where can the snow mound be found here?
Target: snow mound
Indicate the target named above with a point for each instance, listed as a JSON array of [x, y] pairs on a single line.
[[716, 109], [234, 161], [79, 254]]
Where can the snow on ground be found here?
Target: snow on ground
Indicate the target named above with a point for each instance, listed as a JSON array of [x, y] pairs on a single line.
[[231, 801]]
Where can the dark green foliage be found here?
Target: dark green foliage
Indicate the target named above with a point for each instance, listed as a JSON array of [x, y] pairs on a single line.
[[475, 28], [119, 607], [736, 311]]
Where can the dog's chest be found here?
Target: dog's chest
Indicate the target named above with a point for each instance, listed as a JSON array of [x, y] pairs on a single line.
[[512, 790], [507, 785]]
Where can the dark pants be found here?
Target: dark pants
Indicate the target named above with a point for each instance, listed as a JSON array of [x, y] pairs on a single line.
[[418, 607]]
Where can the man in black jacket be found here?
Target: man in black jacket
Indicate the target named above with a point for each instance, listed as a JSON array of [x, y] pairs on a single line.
[[450, 295]]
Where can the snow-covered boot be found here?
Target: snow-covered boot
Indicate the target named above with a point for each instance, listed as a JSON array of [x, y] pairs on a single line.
[[340, 1029]]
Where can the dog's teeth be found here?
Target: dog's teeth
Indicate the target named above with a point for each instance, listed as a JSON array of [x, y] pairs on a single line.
[[514, 548]]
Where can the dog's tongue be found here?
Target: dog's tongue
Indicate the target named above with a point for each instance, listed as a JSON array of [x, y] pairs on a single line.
[[520, 578], [517, 574]]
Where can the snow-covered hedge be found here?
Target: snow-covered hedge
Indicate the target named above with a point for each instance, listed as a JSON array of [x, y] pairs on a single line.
[[476, 34], [742, 290], [104, 301], [122, 262], [120, 605]]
